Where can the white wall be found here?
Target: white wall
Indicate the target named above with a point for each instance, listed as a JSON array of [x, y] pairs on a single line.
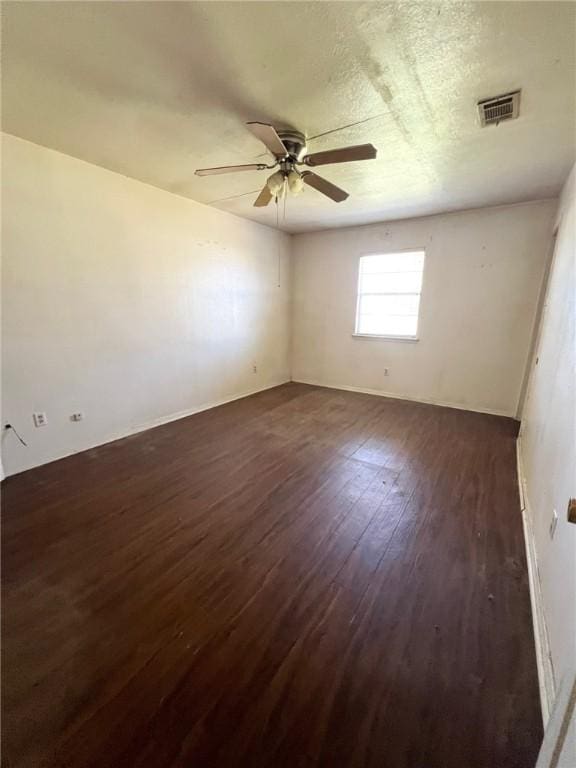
[[482, 276], [548, 443], [127, 303], [133, 305]]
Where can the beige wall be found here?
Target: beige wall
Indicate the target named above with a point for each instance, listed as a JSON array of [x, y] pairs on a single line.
[[127, 303], [548, 444], [482, 276]]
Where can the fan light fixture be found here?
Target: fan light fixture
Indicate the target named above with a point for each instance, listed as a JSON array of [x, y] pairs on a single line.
[[288, 149], [275, 183], [278, 181], [295, 182]]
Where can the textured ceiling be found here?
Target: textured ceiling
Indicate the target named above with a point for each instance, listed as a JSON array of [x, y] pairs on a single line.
[[154, 90]]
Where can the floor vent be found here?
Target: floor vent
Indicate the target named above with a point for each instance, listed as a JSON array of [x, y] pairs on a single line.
[[495, 110]]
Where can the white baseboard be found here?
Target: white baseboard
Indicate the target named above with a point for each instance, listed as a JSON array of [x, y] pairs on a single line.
[[394, 396], [546, 679], [158, 422], [204, 407]]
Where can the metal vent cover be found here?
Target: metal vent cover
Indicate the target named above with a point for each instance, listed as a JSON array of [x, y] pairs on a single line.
[[495, 110]]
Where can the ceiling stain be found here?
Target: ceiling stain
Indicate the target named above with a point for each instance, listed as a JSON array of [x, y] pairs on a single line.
[[154, 90]]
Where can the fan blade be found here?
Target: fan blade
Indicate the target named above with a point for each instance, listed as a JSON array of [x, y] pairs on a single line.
[[344, 155], [268, 136], [324, 186], [263, 198], [229, 169]]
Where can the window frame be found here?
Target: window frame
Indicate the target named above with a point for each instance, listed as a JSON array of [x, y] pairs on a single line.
[[387, 336]]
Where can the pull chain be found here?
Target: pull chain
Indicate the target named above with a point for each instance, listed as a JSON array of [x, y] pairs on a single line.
[[278, 236]]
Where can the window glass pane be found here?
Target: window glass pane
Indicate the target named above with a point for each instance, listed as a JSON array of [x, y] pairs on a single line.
[[391, 282], [389, 305], [389, 293], [406, 261], [391, 325]]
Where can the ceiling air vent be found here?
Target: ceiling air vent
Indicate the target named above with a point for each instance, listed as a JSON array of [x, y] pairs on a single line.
[[495, 110]]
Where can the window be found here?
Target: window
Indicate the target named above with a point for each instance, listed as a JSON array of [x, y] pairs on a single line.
[[389, 286]]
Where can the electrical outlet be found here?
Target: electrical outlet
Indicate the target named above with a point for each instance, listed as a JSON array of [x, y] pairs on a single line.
[[553, 524], [77, 416], [386, 371], [254, 368], [39, 419]]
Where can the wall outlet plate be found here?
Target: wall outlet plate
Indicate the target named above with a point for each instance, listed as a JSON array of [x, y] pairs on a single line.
[[553, 523], [39, 419]]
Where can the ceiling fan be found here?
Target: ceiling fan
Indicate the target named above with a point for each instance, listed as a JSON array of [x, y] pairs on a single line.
[[290, 151]]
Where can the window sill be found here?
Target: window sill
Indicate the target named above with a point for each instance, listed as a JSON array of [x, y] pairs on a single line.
[[380, 337]]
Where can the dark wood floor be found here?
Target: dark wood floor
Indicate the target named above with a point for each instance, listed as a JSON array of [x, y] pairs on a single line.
[[302, 578]]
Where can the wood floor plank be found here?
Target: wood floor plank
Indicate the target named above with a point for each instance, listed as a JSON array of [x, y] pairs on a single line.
[[305, 577]]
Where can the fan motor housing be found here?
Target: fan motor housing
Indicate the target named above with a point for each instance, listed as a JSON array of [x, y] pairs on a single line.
[[295, 143]]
